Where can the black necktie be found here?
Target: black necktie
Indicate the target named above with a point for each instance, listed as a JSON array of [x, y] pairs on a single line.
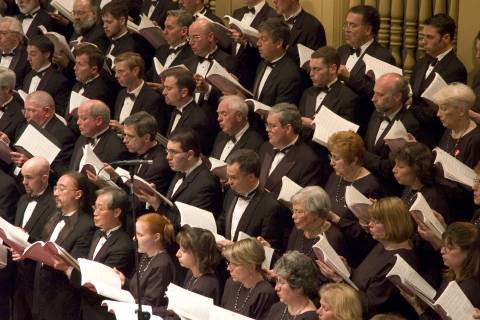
[[130, 95], [251, 10], [434, 62], [357, 51]]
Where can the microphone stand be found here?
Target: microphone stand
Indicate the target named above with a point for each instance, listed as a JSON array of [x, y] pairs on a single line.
[[141, 315]]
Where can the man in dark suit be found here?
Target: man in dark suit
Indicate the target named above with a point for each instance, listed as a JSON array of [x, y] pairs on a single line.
[[438, 34], [176, 51], [86, 25], [115, 17], [285, 154], [14, 53], [193, 182], [391, 93], [179, 87], [72, 229], [361, 28], [43, 75], [93, 120], [248, 207], [305, 28], [34, 208], [40, 110], [33, 15], [236, 132], [254, 13], [136, 95], [12, 117], [278, 78], [110, 245], [158, 10]]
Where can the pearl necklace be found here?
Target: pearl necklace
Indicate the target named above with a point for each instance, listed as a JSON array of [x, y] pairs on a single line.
[[235, 307]]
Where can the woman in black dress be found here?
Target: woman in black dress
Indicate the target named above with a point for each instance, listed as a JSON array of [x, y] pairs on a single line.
[[346, 157], [392, 226], [156, 269], [246, 291], [296, 286], [339, 301]]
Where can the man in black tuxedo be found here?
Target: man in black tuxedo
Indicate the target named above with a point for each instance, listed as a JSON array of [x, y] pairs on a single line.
[[12, 117], [136, 95], [93, 121], [14, 53], [248, 207], [179, 87], [86, 25], [115, 17], [361, 28], [252, 14], [44, 75], [110, 245], [391, 94], [72, 228], [438, 34], [33, 15], [278, 78], [304, 28], [176, 51], [285, 154], [40, 110], [236, 132], [193, 182], [34, 209], [158, 10]]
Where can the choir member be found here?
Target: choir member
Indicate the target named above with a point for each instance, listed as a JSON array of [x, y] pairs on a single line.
[[339, 301]]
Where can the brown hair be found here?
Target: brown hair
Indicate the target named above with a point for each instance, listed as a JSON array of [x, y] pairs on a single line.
[[394, 215], [348, 144], [203, 246]]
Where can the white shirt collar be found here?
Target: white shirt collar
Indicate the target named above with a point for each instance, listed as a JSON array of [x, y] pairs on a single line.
[[443, 54], [295, 14], [365, 46], [137, 90], [242, 132]]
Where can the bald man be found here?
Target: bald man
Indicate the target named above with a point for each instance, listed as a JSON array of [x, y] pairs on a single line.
[[34, 208], [93, 123], [40, 110]]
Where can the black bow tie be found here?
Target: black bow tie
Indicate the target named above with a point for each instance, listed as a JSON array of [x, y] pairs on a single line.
[[434, 62], [251, 10], [325, 89], [357, 51], [130, 95], [284, 150], [38, 73], [8, 54], [385, 118], [232, 138], [90, 141], [181, 175], [23, 16], [103, 234], [271, 64], [176, 111], [247, 196], [203, 59], [174, 50], [291, 20]]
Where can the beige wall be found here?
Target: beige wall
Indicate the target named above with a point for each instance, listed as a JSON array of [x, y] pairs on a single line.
[[332, 12]]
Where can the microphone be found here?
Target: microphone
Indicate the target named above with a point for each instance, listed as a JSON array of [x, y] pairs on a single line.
[[133, 162]]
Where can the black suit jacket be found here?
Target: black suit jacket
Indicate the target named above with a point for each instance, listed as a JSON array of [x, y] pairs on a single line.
[[131, 42], [159, 173], [300, 164], [308, 31], [260, 218], [117, 252], [162, 53], [13, 117], [40, 18], [284, 83], [362, 84], [159, 14], [148, 100], [250, 140], [98, 89], [109, 148], [248, 55], [200, 189], [55, 83], [94, 35], [376, 158], [9, 195], [54, 297], [19, 65], [451, 69]]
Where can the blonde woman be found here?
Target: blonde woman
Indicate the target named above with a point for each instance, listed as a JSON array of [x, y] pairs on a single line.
[[339, 301]]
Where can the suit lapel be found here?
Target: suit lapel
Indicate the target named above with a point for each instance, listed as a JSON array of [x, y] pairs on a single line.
[[46, 79], [247, 215], [121, 101], [266, 164], [419, 78], [258, 79], [68, 229], [229, 213], [311, 103]]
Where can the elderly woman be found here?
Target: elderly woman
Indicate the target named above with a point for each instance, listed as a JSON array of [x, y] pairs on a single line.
[[461, 255], [296, 286], [339, 301], [392, 226], [414, 169], [246, 291], [346, 157], [462, 136]]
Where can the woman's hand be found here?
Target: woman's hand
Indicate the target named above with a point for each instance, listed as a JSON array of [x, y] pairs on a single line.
[[328, 272], [264, 242], [120, 275], [413, 300]]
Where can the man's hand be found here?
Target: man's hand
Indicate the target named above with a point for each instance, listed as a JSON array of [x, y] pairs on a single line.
[[18, 158], [116, 126], [343, 72]]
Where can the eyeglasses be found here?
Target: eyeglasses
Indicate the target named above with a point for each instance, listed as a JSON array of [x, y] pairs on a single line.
[[174, 152], [61, 188]]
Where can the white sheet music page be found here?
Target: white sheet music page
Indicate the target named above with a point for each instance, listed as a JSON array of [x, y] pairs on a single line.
[[327, 123]]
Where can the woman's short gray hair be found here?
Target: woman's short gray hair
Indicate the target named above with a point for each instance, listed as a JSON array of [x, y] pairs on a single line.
[[300, 272], [314, 199]]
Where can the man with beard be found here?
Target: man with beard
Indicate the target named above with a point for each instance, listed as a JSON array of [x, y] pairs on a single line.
[[86, 24]]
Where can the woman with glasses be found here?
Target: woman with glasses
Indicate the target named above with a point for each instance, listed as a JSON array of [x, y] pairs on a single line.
[[392, 227], [297, 285], [346, 158], [461, 256], [246, 291]]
